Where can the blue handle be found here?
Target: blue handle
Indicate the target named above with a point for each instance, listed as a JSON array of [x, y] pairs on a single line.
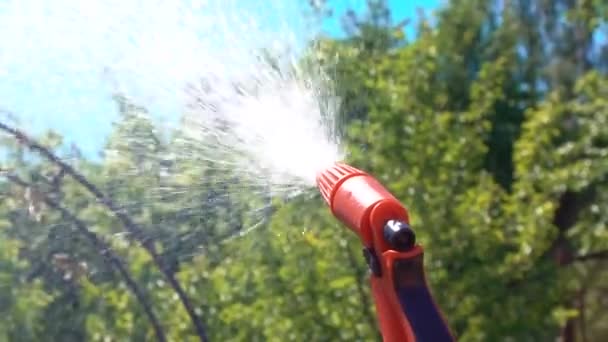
[[417, 301]]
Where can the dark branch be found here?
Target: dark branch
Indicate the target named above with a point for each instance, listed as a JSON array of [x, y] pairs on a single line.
[[133, 228], [57, 179], [593, 256], [106, 251]]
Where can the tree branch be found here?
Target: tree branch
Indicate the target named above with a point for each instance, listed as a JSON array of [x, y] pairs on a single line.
[[106, 251], [593, 256], [133, 228]]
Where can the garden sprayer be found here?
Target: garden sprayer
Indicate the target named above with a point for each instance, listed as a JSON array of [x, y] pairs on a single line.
[[405, 308]]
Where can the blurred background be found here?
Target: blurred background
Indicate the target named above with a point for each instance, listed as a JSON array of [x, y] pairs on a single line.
[[488, 119]]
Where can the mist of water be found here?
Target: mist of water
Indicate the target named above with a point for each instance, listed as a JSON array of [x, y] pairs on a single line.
[[278, 126], [270, 122]]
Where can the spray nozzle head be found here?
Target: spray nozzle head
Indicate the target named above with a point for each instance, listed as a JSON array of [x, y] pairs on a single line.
[[330, 179], [360, 202]]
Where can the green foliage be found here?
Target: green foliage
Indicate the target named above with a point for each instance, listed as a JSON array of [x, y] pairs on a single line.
[[21, 301], [489, 126]]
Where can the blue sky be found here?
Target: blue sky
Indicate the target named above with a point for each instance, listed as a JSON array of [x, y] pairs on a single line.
[[53, 54]]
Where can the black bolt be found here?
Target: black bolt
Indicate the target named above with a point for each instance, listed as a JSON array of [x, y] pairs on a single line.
[[399, 235]]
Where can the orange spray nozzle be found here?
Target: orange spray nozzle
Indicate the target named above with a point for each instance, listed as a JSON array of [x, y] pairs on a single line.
[[361, 203], [405, 307]]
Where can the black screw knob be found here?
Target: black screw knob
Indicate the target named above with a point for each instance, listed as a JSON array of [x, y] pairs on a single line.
[[399, 235]]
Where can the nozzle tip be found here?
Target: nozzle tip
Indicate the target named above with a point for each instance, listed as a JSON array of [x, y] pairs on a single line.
[[331, 177]]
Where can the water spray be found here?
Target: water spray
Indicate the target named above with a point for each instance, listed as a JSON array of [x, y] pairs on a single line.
[[269, 124], [406, 310]]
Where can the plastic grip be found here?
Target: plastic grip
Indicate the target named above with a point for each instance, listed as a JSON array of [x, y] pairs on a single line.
[[415, 299], [405, 306]]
